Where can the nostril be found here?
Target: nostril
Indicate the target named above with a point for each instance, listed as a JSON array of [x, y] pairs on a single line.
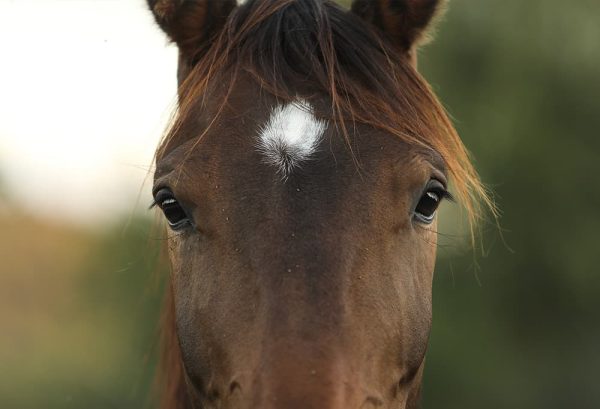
[[371, 402], [234, 386]]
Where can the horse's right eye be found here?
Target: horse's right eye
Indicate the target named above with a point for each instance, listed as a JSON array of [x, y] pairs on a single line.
[[430, 201], [174, 213]]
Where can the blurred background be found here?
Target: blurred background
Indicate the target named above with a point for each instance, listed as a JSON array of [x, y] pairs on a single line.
[[86, 88]]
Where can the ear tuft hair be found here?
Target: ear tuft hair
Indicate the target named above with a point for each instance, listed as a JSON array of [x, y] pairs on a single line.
[[191, 24], [406, 23], [164, 10]]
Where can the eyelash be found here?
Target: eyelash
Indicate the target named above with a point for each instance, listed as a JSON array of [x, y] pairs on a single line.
[[446, 195]]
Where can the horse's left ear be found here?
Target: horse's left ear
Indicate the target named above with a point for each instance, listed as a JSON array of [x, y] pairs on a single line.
[[405, 23], [191, 24]]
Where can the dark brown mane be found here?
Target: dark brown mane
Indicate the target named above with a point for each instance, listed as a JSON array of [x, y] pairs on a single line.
[[342, 60]]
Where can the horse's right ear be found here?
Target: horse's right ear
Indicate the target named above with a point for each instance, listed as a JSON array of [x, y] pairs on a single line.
[[191, 24], [405, 23]]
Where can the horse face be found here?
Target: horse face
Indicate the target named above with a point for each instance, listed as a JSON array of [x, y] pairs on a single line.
[[307, 281], [302, 252]]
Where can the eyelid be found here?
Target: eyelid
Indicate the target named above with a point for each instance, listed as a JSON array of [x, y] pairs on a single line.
[[155, 192], [160, 186]]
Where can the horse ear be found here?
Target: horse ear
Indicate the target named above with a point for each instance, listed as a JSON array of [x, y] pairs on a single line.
[[405, 22], [191, 24]]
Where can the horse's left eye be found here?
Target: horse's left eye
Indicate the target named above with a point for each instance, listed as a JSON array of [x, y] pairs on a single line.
[[174, 213], [429, 202]]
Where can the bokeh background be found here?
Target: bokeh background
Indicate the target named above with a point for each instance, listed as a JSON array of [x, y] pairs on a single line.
[[85, 90]]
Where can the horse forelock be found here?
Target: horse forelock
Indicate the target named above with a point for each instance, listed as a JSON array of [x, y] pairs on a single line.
[[339, 58]]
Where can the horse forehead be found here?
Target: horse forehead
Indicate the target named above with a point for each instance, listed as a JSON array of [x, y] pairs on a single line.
[[284, 143], [275, 139]]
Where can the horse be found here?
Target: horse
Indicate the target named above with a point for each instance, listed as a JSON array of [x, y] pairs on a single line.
[[300, 180]]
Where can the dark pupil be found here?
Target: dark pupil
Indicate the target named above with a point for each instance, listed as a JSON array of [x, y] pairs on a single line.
[[428, 204], [173, 212]]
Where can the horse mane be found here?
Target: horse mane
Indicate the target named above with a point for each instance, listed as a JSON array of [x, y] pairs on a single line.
[[169, 382], [340, 57]]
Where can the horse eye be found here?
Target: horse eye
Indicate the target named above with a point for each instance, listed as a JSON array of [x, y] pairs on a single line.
[[174, 213], [429, 202]]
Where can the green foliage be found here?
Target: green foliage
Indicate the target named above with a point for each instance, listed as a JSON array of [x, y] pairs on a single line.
[[521, 330], [81, 313]]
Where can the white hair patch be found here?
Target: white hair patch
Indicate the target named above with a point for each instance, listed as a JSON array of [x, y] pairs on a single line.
[[290, 136]]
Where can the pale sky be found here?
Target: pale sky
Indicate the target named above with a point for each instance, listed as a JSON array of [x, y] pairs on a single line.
[[86, 89]]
